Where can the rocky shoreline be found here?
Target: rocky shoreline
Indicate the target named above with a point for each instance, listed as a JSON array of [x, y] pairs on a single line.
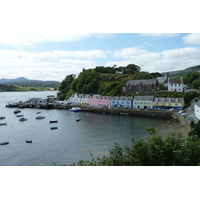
[[174, 126]]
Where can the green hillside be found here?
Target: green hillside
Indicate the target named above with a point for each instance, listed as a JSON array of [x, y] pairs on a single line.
[[110, 80], [179, 73], [102, 80]]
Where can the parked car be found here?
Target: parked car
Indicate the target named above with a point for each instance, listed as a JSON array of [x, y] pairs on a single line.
[[181, 111], [183, 114]]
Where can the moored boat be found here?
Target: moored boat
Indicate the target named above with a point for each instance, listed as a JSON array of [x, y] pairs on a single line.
[[17, 111], [4, 143], [20, 115], [23, 119], [28, 141], [2, 117], [78, 119], [52, 128], [1, 124], [40, 117], [55, 121], [123, 113], [75, 109]]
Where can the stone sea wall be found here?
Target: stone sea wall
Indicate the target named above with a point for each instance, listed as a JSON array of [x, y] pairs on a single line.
[[147, 113]]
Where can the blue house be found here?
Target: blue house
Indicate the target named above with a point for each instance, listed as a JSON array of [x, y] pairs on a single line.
[[121, 102]]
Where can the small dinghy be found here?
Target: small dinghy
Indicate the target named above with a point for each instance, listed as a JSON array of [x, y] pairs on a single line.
[[4, 143], [53, 128], [17, 111], [23, 119], [28, 141], [55, 121], [40, 117], [1, 124], [21, 115]]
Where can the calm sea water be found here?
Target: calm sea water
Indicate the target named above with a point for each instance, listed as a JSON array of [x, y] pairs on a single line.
[[68, 144]]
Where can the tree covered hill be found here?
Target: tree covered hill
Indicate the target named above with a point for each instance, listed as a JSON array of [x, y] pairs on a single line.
[[102, 80], [26, 82], [110, 80]]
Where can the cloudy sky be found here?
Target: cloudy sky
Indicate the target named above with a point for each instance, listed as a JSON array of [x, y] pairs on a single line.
[[48, 40]]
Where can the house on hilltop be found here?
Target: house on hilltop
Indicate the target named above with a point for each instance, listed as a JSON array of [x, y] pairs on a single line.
[[176, 85]]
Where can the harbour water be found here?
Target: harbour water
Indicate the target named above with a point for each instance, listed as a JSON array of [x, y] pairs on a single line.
[[72, 141]]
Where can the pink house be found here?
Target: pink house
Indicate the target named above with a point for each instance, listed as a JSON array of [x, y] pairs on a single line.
[[99, 101]]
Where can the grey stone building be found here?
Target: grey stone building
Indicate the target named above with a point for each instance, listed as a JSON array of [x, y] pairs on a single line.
[[137, 86]]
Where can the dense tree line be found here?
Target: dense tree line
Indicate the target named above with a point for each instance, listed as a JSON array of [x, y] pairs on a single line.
[[154, 151], [129, 69], [192, 79], [4, 87]]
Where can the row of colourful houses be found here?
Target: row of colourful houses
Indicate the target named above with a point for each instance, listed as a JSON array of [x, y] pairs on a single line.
[[138, 102]]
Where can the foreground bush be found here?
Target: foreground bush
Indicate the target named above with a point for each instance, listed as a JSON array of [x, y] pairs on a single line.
[[154, 151]]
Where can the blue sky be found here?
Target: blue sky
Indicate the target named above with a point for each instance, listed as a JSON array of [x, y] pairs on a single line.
[[52, 56], [48, 40]]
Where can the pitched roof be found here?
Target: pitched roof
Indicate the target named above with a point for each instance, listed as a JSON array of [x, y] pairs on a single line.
[[162, 79], [144, 82], [125, 98], [145, 98], [176, 80], [172, 100]]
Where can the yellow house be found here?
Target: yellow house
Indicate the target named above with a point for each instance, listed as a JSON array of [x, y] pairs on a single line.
[[168, 103]]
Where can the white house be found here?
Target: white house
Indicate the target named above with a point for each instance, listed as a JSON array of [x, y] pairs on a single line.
[[176, 85], [197, 109], [79, 99]]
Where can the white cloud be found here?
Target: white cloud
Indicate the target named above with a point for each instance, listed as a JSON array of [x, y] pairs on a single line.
[[45, 70], [193, 38], [55, 65], [168, 60], [136, 54], [23, 56], [21, 40], [92, 54], [159, 34]]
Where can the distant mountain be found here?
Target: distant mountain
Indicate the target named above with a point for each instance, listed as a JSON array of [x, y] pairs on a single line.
[[179, 73], [26, 82]]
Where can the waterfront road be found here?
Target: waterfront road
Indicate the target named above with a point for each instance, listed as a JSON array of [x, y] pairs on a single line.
[[190, 111]]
